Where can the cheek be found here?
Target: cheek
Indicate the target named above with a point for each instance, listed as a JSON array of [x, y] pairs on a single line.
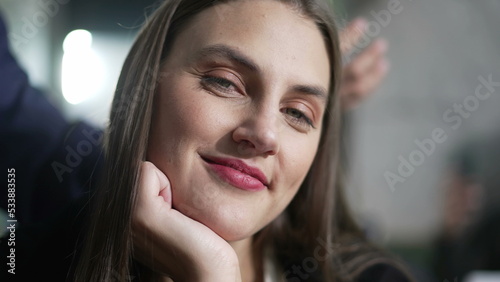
[[182, 124], [298, 157], [186, 120], [182, 120], [296, 160]]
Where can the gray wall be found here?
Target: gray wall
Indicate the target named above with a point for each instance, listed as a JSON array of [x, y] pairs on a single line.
[[438, 49]]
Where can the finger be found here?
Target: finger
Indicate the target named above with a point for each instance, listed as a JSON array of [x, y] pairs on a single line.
[[352, 34], [150, 210], [356, 92], [154, 183], [165, 188], [366, 60]]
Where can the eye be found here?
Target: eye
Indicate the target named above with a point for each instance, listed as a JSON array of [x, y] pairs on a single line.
[[219, 84], [218, 81], [298, 117]]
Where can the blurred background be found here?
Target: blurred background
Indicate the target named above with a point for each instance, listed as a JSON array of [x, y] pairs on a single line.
[[422, 151]]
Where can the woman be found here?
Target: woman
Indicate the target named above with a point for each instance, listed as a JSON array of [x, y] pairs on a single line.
[[222, 151]]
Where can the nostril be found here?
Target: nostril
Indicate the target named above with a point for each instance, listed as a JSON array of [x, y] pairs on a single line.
[[245, 148], [256, 136]]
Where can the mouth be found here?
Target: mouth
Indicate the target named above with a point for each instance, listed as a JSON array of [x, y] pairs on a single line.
[[237, 173]]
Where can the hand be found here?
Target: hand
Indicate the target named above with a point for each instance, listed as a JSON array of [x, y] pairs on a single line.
[[363, 74], [173, 244]]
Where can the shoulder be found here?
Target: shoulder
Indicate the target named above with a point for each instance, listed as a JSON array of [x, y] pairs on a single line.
[[382, 272]]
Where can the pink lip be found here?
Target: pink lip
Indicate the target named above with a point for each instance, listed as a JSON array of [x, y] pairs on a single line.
[[238, 173]]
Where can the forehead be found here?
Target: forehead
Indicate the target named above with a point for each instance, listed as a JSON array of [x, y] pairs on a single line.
[[282, 42]]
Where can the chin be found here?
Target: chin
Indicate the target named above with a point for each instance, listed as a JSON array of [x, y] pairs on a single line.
[[232, 233], [230, 223]]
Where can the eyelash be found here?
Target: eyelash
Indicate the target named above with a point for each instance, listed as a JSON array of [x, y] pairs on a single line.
[[218, 82], [297, 116], [302, 119]]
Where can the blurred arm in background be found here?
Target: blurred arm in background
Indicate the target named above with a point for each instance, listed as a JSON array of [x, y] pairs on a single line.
[[363, 72]]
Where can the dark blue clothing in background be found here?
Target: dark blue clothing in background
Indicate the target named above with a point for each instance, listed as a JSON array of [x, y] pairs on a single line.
[[55, 163], [51, 157]]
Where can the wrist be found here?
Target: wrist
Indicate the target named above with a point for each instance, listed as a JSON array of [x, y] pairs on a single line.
[[221, 270]]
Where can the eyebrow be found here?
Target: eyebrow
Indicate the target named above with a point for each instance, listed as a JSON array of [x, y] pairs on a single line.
[[224, 51], [316, 91]]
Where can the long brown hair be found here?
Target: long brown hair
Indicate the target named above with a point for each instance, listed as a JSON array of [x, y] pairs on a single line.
[[317, 216]]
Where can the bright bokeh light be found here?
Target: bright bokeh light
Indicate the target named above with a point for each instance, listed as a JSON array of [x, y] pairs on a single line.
[[82, 70], [79, 39]]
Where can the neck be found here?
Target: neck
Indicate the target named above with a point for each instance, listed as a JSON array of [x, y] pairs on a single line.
[[250, 260]]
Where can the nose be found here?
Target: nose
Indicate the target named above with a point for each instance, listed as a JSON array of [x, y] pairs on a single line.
[[258, 134]]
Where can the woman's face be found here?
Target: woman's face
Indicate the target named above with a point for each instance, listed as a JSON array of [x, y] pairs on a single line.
[[238, 114]]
